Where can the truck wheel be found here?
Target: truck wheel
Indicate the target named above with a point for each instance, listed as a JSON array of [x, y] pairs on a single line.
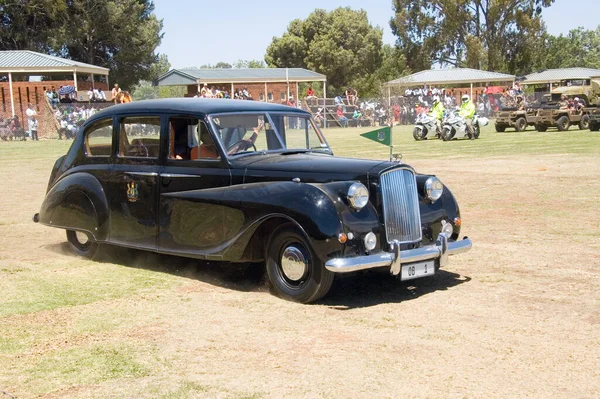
[[541, 128], [447, 134], [594, 127], [584, 123], [521, 124], [419, 133], [82, 244], [500, 129], [563, 123], [294, 270]]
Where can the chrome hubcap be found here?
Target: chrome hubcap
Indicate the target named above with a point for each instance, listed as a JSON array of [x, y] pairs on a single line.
[[293, 263], [81, 237]]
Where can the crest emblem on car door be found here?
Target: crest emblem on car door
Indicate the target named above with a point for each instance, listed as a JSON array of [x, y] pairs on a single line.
[[132, 192]]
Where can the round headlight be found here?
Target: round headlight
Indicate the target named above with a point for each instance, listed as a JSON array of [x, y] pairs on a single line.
[[358, 195], [433, 188], [370, 241]]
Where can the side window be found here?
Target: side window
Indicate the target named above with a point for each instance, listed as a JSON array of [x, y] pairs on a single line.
[[98, 139], [270, 97], [139, 136], [190, 139]]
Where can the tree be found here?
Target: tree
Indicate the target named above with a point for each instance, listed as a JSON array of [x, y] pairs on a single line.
[[145, 89], [121, 35], [340, 44], [30, 24], [579, 48], [223, 65], [496, 35]]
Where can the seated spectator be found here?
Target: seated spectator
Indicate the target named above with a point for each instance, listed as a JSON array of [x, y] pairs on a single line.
[[356, 116], [341, 117], [310, 95], [351, 96]]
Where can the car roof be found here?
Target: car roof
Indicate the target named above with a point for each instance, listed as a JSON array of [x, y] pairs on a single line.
[[195, 105]]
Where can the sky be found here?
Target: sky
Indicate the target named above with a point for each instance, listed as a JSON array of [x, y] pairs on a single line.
[[199, 32]]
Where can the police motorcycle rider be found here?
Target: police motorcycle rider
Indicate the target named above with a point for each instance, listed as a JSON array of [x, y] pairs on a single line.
[[438, 111], [467, 111]]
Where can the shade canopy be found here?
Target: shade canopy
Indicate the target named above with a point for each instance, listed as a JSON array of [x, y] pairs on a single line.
[[179, 77], [557, 75], [32, 63], [452, 76]]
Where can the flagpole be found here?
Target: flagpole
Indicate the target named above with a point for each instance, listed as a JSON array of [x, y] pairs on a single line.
[[391, 142]]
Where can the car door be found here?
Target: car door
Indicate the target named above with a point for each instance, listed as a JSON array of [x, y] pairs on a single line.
[[133, 184], [193, 218]]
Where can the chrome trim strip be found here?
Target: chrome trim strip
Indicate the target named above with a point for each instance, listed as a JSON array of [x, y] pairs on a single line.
[[151, 174], [169, 175], [395, 259]]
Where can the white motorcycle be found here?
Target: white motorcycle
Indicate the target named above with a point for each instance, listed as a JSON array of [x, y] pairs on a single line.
[[425, 126], [455, 126]]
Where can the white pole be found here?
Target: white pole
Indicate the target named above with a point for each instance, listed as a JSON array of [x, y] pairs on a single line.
[[297, 94], [471, 91], [93, 86], [12, 100], [324, 103], [287, 82], [75, 79]]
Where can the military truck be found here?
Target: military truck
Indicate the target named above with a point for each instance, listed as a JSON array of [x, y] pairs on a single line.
[[562, 119], [511, 117], [595, 119]]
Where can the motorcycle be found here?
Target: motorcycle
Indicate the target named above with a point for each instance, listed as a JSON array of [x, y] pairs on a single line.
[[425, 125], [455, 126]]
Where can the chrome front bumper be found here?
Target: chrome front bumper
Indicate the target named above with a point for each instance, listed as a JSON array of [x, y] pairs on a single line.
[[395, 258]]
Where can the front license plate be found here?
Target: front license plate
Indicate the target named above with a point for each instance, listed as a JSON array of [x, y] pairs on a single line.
[[416, 270]]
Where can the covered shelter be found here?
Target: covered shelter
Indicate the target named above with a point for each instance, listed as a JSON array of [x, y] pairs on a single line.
[[451, 76], [266, 81], [554, 77], [25, 62]]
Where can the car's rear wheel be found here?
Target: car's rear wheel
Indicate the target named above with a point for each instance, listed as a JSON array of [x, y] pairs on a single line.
[[563, 123], [520, 124], [541, 128], [82, 244], [500, 129], [294, 271], [584, 123], [594, 127]]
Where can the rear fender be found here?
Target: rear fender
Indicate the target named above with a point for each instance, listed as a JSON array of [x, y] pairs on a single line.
[[77, 202]]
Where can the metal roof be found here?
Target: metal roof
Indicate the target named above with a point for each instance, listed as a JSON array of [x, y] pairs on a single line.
[[194, 106], [450, 76], [555, 75], [235, 75], [25, 61]]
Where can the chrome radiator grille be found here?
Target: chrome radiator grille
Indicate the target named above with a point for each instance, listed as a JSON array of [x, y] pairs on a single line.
[[401, 213]]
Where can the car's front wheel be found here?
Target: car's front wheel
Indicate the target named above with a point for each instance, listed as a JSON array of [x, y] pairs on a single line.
[[294, 271], [82, 244]]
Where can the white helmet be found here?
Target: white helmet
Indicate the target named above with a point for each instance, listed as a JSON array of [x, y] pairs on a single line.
[[576, 98], [465, 97], [436, 99]]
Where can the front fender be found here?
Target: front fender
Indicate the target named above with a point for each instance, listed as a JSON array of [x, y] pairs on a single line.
[[246, 207], [77, 202]]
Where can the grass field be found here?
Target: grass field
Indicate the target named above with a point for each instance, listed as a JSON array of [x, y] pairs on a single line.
[[518, 316]]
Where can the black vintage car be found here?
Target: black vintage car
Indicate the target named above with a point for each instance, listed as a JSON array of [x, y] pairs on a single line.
[[245, 181]]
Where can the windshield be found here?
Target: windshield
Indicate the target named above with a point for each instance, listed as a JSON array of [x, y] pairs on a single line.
[[260, 132]]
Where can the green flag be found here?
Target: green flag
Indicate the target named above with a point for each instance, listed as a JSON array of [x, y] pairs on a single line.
[[382, 135]]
